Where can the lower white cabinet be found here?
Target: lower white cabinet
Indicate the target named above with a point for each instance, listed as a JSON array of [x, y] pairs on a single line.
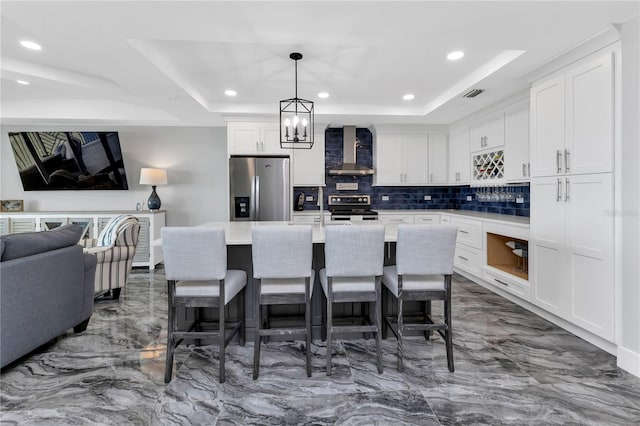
[[93, 223], [571, 249], [306, 218], [395, 218], [427, 219], [469, 259]]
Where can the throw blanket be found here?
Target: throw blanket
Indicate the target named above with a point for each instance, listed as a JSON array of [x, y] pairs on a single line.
[[109, 234]]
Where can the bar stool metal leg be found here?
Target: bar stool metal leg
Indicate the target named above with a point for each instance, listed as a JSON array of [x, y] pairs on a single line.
[[378, 325], [329, 323], [258, 325]]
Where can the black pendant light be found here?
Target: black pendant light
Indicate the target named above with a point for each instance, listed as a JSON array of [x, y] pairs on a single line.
[[296, 118]]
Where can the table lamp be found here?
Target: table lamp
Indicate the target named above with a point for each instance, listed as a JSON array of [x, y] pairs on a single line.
[[153, 177]]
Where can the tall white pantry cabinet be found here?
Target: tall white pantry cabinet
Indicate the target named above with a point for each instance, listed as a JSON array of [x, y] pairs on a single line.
[[572, 194]]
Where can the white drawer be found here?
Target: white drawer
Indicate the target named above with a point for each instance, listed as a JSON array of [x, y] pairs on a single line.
[[445, 218], [395, 218], [469, 232], [513, 285], [468, 259], [425, 219], [306, 218]]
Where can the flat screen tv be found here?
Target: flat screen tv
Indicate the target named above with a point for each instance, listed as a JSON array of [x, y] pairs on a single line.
[[69, 160]]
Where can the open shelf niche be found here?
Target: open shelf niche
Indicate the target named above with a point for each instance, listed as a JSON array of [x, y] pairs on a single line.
[[502, 256]]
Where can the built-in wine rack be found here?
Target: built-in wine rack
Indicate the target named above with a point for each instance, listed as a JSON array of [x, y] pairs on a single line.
[[488, 166]]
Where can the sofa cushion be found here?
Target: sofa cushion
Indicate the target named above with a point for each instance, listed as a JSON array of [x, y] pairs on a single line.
[[30, 243]]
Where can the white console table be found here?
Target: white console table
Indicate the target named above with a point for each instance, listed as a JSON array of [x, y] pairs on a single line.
[[94, 222]]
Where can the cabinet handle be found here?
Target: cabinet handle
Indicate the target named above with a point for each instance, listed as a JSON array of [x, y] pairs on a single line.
[[566, 190], [486, 141], [558, 155], [566, 160], [431, 177], [528, 169], [501, 282], [257, 146], [465, 232], [524, 170], [463, 258], [457, 176], [558, 190]]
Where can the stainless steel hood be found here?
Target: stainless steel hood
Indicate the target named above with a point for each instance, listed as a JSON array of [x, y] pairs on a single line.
[[349, 167]]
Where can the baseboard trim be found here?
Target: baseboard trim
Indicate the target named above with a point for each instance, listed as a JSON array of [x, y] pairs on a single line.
[[629, 360], [595, 340]]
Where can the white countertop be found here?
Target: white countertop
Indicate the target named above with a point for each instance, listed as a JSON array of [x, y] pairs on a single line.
[[494, 217], [239, 233]]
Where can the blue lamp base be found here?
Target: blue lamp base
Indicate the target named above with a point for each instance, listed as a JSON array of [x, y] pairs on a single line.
[[154, 201]]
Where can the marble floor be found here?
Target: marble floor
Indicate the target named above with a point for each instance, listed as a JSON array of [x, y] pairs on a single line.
[[512, 367]]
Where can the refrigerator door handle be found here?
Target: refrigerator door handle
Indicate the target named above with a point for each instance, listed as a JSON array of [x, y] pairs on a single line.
[[256, 197]]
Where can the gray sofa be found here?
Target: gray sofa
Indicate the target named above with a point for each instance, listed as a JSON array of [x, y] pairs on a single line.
[[46, 288]]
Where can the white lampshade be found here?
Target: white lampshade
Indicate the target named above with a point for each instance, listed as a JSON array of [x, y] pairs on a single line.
[[153, 176]]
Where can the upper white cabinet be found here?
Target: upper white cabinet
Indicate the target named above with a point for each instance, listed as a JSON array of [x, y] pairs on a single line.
[[487, 132], [308, 164], [401, 158], [459, 160], [437, 158], [516, 164], [250, 138], [572, 120], [410, 157]]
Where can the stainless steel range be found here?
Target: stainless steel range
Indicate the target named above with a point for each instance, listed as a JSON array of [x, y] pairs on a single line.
[[351, 207]]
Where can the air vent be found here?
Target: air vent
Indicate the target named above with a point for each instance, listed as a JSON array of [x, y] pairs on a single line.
[[472, 93]]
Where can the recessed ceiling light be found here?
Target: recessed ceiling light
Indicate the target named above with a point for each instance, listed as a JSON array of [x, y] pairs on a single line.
[[26, 83], [230, 92], [453, 56], [408, 96], [323, 95], [30, 45]]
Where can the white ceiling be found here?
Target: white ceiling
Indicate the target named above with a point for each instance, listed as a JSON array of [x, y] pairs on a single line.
[[169, 62]]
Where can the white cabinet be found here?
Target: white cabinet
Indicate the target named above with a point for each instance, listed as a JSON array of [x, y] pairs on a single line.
[[389, 157], [401, 158], [394, 218], [250, 138], [459, 159], [572, 120], [487, 132], [410, 157], [468, 254], [427, 219], [516, 164], [416, 154], [308, 164], [306, 218], [94, 223], [571, 249], [437, 158]]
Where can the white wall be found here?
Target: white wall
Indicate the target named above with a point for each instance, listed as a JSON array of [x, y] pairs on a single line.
[[195, 159], [629, 358]]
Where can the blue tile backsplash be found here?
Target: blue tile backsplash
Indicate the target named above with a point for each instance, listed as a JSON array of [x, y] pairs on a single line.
[[404, 198]]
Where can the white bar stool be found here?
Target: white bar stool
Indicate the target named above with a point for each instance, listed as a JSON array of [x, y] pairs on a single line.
[[195, 262], [354, 257], [424, 265], [282, 257]]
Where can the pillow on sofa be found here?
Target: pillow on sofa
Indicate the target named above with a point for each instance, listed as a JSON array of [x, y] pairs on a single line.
[[30, 243]]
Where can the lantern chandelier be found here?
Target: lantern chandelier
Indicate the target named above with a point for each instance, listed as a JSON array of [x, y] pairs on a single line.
[[296, 117]]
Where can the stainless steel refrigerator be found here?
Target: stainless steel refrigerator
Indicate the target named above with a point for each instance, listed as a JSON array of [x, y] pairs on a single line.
[[259, 188]]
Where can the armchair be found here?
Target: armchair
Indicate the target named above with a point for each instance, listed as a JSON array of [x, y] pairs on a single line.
[[114, 249]]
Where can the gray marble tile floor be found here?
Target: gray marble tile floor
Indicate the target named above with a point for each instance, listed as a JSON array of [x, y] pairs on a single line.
[[512, 367]]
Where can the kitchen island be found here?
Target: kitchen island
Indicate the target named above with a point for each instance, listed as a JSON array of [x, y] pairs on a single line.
[[238, 238]]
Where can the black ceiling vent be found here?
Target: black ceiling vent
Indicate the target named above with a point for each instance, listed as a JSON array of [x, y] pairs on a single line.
[[472, 93]]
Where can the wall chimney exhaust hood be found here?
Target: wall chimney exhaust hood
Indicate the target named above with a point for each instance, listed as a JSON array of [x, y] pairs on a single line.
[[349, 167]]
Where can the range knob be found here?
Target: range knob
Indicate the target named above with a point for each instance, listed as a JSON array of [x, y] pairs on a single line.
[[338, 199], [360, 200]]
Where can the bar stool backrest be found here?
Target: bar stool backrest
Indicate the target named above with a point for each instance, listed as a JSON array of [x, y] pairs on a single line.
[[426, 249], [282, 251], [194, 253], [354, 251]]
